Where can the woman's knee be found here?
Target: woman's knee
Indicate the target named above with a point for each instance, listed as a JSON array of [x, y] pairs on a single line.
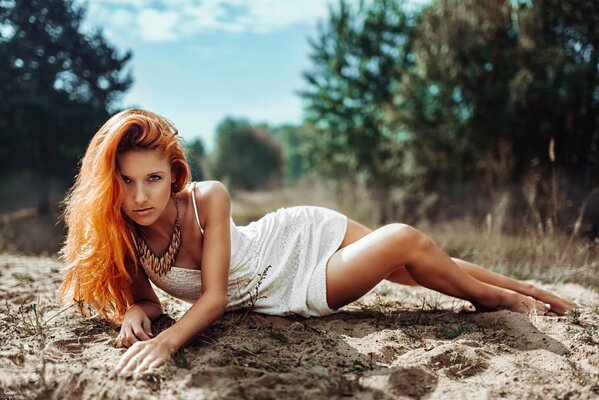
[[406, 238]]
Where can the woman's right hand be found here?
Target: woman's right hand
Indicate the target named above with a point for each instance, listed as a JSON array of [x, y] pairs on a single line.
[[136, 327]]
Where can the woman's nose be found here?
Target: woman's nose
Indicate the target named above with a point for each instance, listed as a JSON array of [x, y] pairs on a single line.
[[140, 195]]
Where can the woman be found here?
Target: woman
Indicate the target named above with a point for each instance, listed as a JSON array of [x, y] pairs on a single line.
[[133, 216]]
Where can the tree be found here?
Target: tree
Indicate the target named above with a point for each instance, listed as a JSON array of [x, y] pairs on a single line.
[[455, 102], [358, 58], [247, 156], [294, 140], [508, 89], [196, 157], [506, 82], [57, 85]]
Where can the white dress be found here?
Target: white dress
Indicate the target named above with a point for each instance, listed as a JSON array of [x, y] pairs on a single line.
[[278, 263]]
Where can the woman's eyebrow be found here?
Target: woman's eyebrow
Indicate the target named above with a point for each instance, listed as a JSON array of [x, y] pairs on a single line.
[[151, 173]]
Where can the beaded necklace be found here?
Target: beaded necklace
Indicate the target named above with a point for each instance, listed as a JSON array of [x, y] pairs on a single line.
[[160, 264]]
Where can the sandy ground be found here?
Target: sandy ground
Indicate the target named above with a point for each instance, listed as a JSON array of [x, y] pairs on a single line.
[[397, 342]]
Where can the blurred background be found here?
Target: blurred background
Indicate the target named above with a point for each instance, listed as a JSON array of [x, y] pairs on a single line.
[[476, 121]]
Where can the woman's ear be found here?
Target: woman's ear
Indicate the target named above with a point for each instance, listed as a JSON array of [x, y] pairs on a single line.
[[174, 187]]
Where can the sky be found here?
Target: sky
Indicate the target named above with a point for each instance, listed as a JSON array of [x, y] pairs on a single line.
[[198, 61]]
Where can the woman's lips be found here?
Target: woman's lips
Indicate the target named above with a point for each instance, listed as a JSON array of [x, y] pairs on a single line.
[[143, 211]]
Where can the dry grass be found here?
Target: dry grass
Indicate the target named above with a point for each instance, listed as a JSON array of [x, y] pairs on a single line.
[[532, 253], [25, 232]]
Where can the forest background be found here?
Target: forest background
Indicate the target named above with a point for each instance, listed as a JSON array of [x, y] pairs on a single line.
[[475, 119]]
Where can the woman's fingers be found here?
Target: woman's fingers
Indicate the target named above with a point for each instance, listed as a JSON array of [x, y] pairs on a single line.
[[130, 335], [147, 326], [143, 356], [156, 363], [130, 339], [147, 364], [125, 338], [140, 333], [130, 359]]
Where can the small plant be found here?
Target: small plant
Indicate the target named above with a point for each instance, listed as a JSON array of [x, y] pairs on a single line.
[[432, 304], [452, 332], [277, 335], [412, 332], [571, 330], [251, 303], [590, 331], [356, 367], [573, 316], [23, 277], [180, 359], [244, 351]]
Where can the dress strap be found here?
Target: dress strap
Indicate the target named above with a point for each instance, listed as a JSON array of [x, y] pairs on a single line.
[[195, 206]]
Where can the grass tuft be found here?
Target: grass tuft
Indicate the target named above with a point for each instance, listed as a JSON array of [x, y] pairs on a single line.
[[453, 331]]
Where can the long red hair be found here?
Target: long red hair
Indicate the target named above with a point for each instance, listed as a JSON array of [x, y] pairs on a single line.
[[99, 251]]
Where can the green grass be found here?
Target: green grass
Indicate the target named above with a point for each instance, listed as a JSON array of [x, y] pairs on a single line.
[[453, 331]]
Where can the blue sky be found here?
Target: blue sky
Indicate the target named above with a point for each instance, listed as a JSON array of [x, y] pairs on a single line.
[[197, 61]]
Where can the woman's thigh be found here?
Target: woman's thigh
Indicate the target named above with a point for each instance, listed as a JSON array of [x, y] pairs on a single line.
[[361, 262]]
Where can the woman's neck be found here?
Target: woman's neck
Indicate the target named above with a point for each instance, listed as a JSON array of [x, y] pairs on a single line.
[[163, 226]]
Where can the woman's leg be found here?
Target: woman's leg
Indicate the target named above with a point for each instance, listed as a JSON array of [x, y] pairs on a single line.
[[401, 275], [365, 259], [558, 304]]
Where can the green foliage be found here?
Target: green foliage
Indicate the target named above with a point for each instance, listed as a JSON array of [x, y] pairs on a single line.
[[196, 156], [57, 85], [249, 157], [453, 331], [497, 81], [358, 57], [294, 139], [505, 94], [463, 93]]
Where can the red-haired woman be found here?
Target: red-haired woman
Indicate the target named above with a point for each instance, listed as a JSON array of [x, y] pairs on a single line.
[[134, 217]]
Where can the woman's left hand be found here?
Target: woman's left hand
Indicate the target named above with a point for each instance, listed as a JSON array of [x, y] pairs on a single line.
[[144, 355]]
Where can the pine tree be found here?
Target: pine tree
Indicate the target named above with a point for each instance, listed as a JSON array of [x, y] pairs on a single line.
[[57, 85]]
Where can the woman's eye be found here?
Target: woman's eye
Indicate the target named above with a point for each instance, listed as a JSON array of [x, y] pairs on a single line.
[[126, 180], [154, 178]]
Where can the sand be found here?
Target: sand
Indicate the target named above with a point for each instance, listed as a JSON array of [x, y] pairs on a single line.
[[395, 343]]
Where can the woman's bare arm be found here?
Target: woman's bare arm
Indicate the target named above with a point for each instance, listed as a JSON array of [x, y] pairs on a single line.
[[144, 296], [216, 254], [136, 324]]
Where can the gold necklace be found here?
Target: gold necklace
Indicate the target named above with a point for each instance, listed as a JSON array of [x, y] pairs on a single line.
[[160, 264]]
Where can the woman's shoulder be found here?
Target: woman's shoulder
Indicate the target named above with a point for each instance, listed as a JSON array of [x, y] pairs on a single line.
[[209, 189], [210, 194]]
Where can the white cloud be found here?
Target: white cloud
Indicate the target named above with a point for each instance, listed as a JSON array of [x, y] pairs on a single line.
[[158, 26], [170, 20]]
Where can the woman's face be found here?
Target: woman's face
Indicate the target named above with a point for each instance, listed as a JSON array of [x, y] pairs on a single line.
[[147, 179]]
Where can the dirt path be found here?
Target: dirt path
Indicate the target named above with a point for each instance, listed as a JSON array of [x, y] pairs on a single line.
[[396, 343]]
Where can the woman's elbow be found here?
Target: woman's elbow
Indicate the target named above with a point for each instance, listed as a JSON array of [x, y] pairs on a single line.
[[219, 301], [223, 302]]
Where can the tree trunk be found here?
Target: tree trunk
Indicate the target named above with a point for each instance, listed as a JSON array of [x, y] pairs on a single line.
[[384, 201], [43, 205]]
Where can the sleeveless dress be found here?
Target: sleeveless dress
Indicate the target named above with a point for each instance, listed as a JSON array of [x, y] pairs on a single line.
[[278, 263]]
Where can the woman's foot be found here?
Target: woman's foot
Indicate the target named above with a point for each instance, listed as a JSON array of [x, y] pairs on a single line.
[[559, 305], [513, 301], [525, 304]]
